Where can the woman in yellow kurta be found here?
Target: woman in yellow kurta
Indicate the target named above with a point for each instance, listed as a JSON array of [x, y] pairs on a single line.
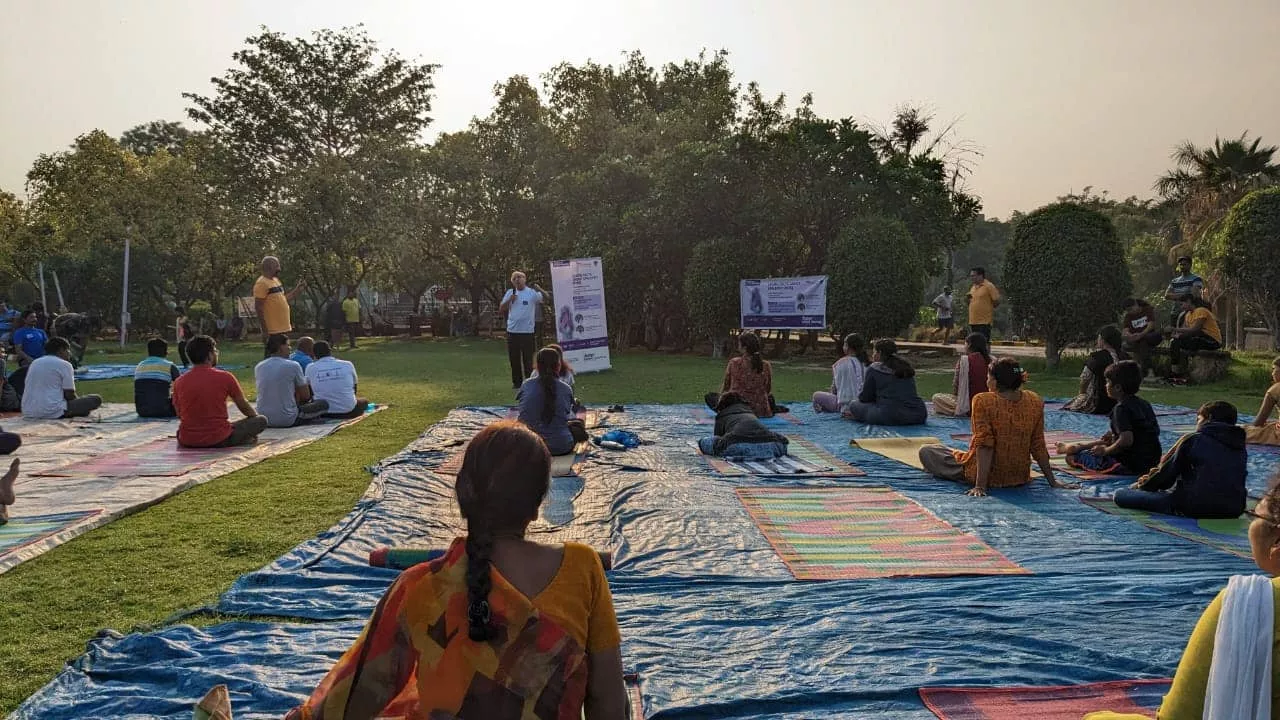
[[500, 628], [1186, 698], [1263, 431]]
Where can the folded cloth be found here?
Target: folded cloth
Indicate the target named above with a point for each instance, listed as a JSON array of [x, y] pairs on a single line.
[[1240, 675]]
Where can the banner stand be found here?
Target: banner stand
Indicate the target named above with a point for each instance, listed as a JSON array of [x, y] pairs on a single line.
[[577, 298]]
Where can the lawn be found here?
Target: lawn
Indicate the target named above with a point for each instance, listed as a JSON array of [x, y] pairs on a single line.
[[184, 552]]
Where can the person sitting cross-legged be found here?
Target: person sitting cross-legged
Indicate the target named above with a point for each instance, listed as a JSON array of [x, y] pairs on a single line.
[[1264, 431], [7, 496], [201, 396], [740, 434], [969, 379], [888, 395], [1008, 430], [1202, 475], [153, 382], [1132, 445], [335, 382], [305, 352], [50, 388], [546, 406], [284, 397]]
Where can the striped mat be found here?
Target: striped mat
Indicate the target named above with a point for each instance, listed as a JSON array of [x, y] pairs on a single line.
[[804, 457], [1065, 702], [846, 533], [161, 457], [22, 531]]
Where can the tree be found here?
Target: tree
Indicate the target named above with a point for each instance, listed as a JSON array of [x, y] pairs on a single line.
[[873, 252], [1249, 245], [151, 137], [293, 102], [1065, 274]]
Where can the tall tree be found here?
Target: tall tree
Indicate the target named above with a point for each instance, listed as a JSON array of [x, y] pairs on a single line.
[[1248, 244], [148, 138]]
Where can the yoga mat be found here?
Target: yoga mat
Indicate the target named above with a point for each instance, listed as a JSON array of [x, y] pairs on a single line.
[[1064, 702], [851, 533], [1226, 535], [1059, 463], [161, 457], [905, 450], [1051, 439], [804, 457], [561, 465], [111, 371], [22, 531]]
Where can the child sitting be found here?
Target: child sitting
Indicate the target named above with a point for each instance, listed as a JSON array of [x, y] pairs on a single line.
[[740, 434], [1132, 446], [1204, 472], [1262, 431]]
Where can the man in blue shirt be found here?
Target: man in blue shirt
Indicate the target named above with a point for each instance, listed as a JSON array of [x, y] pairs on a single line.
[[153, 382], [8, 318], [305, 353], [29, 340], [1184, 283]]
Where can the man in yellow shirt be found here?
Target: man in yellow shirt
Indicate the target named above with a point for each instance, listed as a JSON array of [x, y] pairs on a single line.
[[1199, 331], [351, 313], [984, 298], [271, 301]]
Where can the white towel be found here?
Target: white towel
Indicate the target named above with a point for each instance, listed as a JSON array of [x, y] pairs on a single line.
[[1240, 676]]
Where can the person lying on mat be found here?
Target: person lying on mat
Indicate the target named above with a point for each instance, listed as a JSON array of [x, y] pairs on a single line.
[[1008, 430], [153, 382], [740, 434], [749, 375], [201, 396], [1093, 398], [7, 496], [1229, 669], [335, 382], [1262, 431], [847, 376], [970, 378], [496, 626], [1132, 446], [889, 395], [50, 389], [1203, 473], [284, 397], [546, 406]]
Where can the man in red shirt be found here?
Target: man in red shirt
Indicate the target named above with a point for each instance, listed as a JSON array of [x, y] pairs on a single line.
[[200, 397]]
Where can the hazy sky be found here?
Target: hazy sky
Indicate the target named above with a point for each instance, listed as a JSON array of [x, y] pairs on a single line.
[[1058, 94]]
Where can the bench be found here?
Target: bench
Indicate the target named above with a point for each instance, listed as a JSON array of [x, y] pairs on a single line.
[[1203, 367]]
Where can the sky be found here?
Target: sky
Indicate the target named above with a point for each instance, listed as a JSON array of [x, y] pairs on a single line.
[[1056, 94]]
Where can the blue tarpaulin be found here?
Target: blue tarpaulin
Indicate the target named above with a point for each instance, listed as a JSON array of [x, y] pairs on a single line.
[[712, 620]]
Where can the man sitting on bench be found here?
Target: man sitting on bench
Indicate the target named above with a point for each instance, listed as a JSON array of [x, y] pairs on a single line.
[[334, 381], [1199, 331]]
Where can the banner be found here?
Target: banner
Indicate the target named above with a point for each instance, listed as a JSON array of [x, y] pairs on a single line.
[[798, 303], [577, 293]]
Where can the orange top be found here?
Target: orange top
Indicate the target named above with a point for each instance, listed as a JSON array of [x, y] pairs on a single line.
[[1013, 428], [754, 387]]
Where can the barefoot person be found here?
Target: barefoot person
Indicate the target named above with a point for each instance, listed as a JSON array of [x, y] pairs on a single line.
[[847, 375], [1093, 398], [888, 394], [50, 390], [7, 496], [1263, 431], [271, 300], [201, 396], [969, 380], [498, 625], [521, 304], [334, 381], [1132, 445], [284, 396], [1008, 430]]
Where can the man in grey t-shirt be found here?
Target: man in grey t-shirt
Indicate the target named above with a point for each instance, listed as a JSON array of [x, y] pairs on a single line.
[[284, 397]]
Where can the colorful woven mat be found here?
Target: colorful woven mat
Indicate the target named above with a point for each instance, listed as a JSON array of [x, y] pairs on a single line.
[[1067, 702]]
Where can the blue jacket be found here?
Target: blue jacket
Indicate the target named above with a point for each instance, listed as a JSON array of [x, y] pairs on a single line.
[[1207, 471]]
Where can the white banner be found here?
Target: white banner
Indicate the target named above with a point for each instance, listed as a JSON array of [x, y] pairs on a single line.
[[798, 303], [577, 291]]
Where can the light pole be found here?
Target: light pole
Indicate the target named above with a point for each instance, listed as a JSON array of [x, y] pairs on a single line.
[[124, 302]]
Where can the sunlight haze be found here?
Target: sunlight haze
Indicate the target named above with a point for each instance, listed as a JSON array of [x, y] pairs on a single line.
[[1056, 95]]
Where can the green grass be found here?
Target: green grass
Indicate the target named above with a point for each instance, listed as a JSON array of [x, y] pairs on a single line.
[[184, 552]]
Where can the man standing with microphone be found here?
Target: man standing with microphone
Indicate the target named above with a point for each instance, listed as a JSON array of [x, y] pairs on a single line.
[[522, 304]]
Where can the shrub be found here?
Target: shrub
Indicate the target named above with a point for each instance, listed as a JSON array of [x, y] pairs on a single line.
[[875, 278], [1065, 274], [1249, 245]]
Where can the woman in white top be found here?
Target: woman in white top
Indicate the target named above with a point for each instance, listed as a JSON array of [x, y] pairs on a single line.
[[846, 377]]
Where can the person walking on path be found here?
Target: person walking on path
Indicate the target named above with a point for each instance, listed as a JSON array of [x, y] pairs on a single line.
[[271, 300], [946, 321], [984, 298], [521, 303]]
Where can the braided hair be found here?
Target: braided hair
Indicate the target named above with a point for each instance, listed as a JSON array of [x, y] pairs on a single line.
[[548, 362], [504, 476], [750, 343], [888, 350]]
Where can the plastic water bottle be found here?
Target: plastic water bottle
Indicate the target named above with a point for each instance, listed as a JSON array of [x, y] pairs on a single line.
[[610, 444]]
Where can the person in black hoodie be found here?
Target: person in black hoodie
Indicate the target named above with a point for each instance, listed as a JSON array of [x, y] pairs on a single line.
[[740, 434], [1202, 476]]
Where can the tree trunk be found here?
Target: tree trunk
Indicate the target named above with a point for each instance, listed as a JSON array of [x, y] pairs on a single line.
[[1239, 339], [1052, 352]]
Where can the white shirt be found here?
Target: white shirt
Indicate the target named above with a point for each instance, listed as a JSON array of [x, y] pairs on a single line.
[[523, 309], [47, 378], [334, 381], [277, 380], [944, 303]]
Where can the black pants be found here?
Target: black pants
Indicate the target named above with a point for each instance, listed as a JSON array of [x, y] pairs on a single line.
[[983, 330], [353, 331], [362, 407], [182, 353], [520, 348], [1190, 343]]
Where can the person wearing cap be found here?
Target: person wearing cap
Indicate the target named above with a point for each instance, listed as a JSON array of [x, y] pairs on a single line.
[[1184, 283]]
